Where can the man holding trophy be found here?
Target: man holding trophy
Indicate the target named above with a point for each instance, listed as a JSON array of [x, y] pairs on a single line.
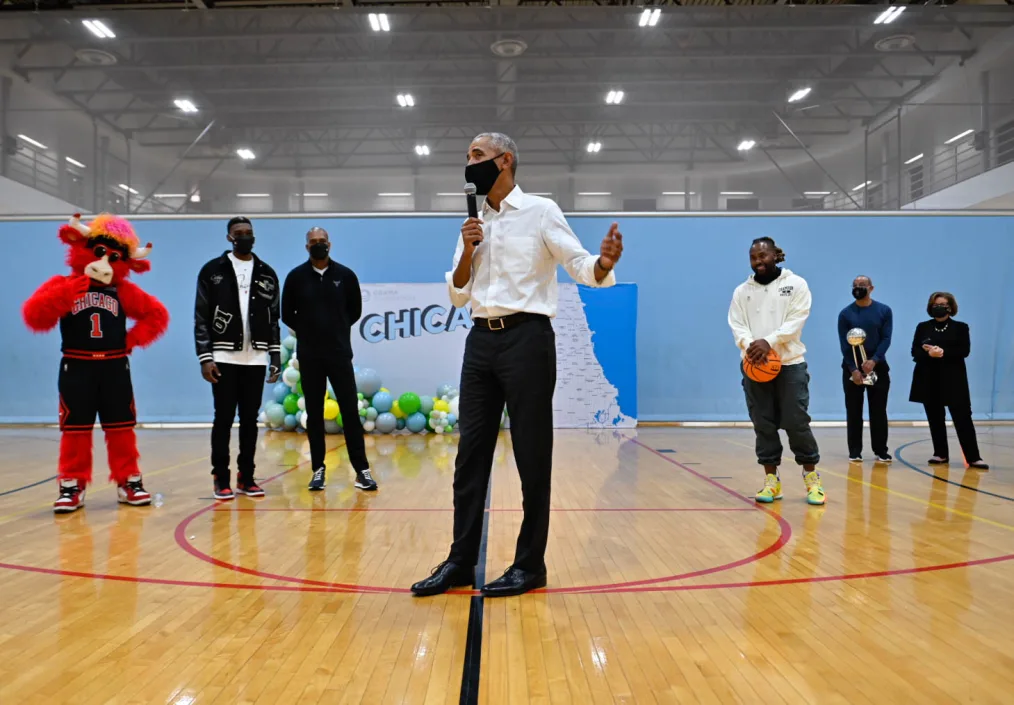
[[864, 331]]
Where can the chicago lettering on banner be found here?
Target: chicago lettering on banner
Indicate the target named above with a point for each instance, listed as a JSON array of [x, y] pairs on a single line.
[[413, 322]]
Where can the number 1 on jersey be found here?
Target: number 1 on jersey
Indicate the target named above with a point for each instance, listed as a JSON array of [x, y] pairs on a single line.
[[96, 325]]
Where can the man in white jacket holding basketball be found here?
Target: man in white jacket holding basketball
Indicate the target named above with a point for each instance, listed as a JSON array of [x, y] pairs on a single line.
[[767, 314]]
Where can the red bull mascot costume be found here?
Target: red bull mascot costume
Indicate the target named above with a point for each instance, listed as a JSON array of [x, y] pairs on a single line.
[[92, 306]]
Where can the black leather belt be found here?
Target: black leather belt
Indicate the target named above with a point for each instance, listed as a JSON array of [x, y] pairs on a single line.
[[505, 322]]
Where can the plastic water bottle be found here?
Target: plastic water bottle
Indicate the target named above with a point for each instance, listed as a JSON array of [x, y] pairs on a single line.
[[158, 500]]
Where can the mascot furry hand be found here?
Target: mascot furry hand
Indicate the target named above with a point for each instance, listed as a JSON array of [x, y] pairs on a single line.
[[91, 306]]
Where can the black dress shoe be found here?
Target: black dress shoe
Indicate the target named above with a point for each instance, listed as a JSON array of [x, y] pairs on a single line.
[[514, 582], [445, 576]]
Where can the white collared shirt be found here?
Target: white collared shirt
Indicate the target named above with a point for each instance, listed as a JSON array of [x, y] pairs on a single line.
[[514, 269]]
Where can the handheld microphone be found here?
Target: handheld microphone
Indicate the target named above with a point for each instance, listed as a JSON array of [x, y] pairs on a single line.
[[473, 208]]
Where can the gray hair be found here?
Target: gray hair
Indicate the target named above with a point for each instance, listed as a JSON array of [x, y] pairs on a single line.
[[502, 143]]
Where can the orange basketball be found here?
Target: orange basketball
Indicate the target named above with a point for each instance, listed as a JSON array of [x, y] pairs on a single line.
[[766, 371]]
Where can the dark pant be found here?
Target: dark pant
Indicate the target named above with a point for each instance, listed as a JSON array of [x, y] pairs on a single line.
[[782, 403], [878, 413], [314, 372], [963, 426], [242, 386], [516, 366]]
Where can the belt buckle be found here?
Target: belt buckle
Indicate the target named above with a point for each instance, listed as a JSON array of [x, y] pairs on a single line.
[[494, 321]]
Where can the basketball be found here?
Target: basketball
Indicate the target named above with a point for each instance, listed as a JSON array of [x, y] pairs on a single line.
[[765, 372]]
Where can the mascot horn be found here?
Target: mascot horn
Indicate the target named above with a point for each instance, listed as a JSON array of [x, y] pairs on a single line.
[[91, 306]]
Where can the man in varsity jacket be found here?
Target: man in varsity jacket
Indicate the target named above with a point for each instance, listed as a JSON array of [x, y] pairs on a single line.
[[236, 332]]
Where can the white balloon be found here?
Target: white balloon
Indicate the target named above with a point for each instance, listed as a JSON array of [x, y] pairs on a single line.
[[369, 426], [455, 404], [302, 419], [301, 404], [438, 429]]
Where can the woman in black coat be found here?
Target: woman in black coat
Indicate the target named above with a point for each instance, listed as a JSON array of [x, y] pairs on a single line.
[[940, 380]]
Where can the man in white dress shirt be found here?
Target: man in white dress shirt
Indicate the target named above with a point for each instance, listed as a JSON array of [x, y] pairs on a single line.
[[505, 268]]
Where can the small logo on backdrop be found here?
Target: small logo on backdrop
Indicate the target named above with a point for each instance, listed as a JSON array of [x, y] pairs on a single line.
[[221, 320], [786, 291], [367, 295]]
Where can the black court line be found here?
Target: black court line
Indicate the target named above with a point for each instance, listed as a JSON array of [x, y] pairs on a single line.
[[665, 450], [910, 466], [473, 643], [27, 487]]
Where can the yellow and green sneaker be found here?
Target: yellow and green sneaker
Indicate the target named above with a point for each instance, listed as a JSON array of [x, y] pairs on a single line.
[[772, 489], [814, 489]]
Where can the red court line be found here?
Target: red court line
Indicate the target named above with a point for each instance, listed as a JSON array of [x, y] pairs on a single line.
[[224, 508]]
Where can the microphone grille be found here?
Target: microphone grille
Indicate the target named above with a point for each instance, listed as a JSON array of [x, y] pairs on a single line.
[[470, 189]]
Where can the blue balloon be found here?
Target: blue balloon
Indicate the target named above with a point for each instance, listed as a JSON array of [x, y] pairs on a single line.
[[290, 422], [426, 405], [416, 422], [289, 343], [275, 414], [452, 419], [280, 391], [367, 382], [331, 426], [443, 390], [386, 422], [401, 424], [285, 354], [383, 402]]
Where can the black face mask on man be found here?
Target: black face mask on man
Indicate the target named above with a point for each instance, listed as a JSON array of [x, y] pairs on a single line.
[[860, 292], [243, 245], [483, 175], [319, 250], [940, 311]]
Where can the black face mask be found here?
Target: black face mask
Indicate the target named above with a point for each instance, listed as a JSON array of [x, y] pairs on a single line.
[[243, 245], [940, 311], [483, 175], [860, 292], [319, 250]]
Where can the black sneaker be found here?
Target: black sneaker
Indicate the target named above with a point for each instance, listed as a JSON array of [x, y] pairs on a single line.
[[222, 489], [317, 482], [855, 458], [884, 459], [365, 481]]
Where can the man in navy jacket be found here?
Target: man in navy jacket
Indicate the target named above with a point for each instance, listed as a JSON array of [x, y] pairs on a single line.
[[877, 321]]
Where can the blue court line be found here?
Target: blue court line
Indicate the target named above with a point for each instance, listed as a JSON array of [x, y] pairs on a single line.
[[26, 487], [910, 466]]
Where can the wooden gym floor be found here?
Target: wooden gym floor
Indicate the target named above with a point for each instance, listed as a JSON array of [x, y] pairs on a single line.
[[667, 583]]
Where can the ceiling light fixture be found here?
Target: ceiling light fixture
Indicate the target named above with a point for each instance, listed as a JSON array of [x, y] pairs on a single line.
[[594, 193], [245, 153], [800, 94], [75, 162], [406, 100], [379, 23], [889, 15], [966, 133], [422, 150], [678, 193], [314, 195], [128, 189], [170, 195], [186, 105], [649, 18], [34, 143], [99, 29], [253, 195], [614, 97], [862, 186], [746, 145], [395, 194], [816, 193], [594, 147], [736, 193], [915, 158]]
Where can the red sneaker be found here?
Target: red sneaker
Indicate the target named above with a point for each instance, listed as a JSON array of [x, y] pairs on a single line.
[[249, 488], [72, 497], [132, 492], [222, 489]]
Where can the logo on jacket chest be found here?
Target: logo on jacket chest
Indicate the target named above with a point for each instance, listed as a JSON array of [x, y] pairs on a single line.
[[265, 288], [786, 291]]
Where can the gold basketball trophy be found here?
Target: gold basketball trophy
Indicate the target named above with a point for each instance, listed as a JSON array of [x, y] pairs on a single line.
[[856, 337]]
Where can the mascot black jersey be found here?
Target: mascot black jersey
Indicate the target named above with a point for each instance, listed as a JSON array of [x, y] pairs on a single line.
[[96, 326]]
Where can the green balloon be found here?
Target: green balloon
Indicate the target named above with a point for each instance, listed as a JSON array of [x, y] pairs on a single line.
[[409, 403], [291, 403], [299, 388]]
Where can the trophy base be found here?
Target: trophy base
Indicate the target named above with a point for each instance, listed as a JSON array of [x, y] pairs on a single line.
[[870, 379]]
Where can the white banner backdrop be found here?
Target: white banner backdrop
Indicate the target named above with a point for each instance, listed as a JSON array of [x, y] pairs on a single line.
[[412, 336]]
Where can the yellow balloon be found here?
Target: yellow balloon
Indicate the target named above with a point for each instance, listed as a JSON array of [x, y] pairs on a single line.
[[385, 389], [441, 405], [396, 410], [330, 409]]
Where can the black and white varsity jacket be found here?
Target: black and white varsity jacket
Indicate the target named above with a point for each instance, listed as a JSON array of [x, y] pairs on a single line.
[[217, 322]]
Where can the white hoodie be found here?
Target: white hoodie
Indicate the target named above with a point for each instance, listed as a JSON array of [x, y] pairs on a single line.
[[775, 312]]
